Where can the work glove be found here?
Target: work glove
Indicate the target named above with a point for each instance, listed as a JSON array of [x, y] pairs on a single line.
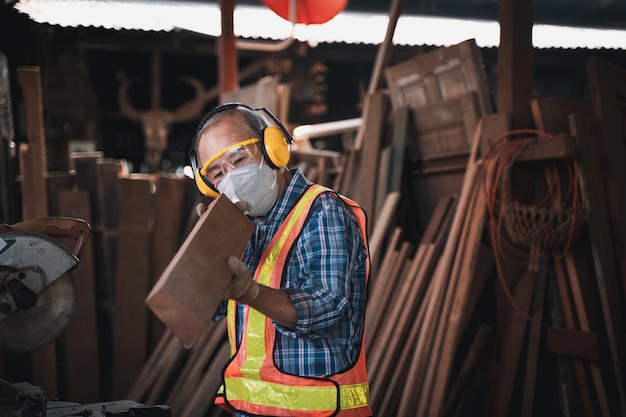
[[242, 288]]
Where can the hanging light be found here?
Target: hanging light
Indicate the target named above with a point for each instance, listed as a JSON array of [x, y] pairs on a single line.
[[308, 11]]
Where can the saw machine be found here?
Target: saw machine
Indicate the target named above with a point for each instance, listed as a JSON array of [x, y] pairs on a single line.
[[37, 291], [37, 298]]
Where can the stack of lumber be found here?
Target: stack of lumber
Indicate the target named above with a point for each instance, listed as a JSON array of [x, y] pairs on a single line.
[[138, 222], [461, 318]]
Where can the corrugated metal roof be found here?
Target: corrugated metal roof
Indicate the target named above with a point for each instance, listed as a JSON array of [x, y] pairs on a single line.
[[251, 22]]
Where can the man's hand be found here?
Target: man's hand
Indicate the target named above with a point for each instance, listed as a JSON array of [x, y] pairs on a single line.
[[243, 288], [242, 206]]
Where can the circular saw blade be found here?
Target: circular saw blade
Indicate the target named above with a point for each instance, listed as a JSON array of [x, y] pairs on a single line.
[[28, 330]]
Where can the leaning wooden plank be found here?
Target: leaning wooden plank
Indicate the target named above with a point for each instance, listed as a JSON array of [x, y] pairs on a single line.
[[600, 231], [531, 359], [82, 374], [172, 362], [464, 273], [607, 84], [190, 289], [130, 321], [393, 284], [383, 54], [405, 331], [29, 80], [387, 213], [191, 380], [33, 168], [398, 306], [441, 279], [393, 338], [570, 321], [585, 325], [476, 356], [398, 145], [392, 393], [141, 387], [512, 345], [366, 178], [167, 235], [204, 394], [380, 187], [105, 218], [376, 291]]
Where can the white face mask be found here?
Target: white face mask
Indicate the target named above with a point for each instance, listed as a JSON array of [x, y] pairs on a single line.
[[254, 183]]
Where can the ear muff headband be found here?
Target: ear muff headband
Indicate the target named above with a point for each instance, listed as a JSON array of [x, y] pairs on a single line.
[[275, 145]]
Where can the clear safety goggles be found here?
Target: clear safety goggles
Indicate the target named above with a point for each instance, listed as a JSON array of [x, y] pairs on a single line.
[[229, 158]]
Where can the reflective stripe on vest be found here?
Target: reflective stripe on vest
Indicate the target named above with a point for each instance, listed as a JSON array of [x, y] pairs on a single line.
[[252, 382]]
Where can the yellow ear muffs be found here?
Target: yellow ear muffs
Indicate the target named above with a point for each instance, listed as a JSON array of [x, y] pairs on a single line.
[[276, 146], [202, 185]]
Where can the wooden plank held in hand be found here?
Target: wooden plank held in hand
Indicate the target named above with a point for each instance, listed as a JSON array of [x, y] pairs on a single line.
[[192, 286]]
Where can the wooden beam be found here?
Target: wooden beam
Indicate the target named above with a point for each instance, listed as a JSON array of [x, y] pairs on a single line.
[[33, 168], [515, 61], [228, 72]]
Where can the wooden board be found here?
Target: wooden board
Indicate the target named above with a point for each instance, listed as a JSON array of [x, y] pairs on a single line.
[[168, 233], [34, 195], [364, 182], [82, 373], [130, 318], [608, 89], [190, 289], [601, 236], [106, 173], [551, 115]]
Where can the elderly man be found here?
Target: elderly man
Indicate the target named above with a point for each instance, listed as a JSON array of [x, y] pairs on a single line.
[[296, 305]]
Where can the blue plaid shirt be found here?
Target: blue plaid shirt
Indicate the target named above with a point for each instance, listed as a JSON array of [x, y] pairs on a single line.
[[325, 277]]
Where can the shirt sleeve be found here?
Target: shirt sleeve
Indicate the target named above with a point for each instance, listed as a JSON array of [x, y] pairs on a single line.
[[322, 276]]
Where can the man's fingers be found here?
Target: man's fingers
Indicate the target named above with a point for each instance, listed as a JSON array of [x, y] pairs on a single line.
[[238, 267], [242, 206]]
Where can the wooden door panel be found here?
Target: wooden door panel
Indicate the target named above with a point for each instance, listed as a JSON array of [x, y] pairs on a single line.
[[445, 129], [443, 74]]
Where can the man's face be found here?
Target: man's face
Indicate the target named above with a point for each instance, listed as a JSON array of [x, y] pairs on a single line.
[[224, 147]]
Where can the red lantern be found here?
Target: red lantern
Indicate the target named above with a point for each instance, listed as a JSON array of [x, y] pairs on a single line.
[[308, 11]]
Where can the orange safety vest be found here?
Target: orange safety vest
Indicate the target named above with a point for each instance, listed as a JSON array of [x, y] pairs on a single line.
[[252, 383]]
